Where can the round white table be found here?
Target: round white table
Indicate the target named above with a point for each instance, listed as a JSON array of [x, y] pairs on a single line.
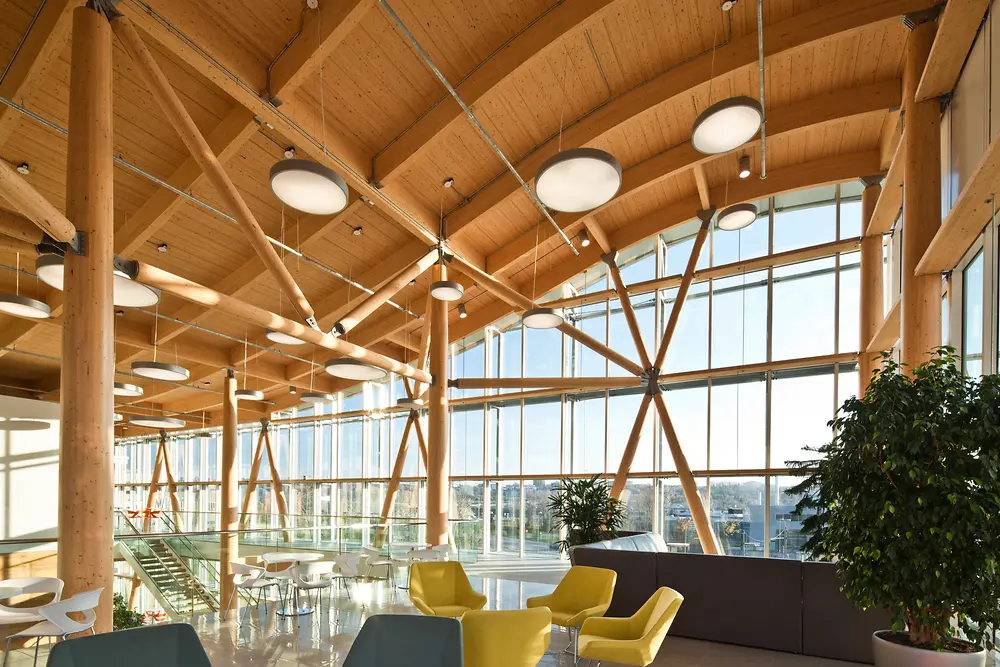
[[292, 558]]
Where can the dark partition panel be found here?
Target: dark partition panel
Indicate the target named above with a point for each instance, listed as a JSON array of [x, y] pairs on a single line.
[[636, 576], [831, 626]]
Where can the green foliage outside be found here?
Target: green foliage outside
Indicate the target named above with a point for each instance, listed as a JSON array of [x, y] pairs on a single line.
[[124, 618], [587, 510], [907, 500]]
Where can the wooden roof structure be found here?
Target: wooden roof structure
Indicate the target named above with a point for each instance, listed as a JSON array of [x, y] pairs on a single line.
[[344, 86]]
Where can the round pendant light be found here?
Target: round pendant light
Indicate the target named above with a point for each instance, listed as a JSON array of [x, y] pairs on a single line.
[[158, 370], [317, 397], [736, 217], [249, 395], [22, 306], [282, 338], [152, 421], [125, 389], [578, 180], [541, 318], [447, 290], [309, 186], [410, 403], [126, 292], [354, 369], [727, 125]]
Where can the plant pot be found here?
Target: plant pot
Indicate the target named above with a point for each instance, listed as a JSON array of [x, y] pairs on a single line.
[[890, 654]]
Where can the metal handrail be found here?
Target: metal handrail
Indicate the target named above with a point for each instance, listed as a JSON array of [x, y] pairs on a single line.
[[183, 537]]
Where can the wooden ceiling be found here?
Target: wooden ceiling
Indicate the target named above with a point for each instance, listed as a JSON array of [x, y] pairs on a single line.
[[636, 74]]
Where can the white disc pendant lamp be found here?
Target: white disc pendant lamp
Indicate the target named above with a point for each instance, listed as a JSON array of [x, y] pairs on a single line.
[[579, 179], [447, 290], [727, 125], [282, 338], [125, 389], [152, 421], [736, 217], [354, 369], [317, 397], [158, 370], [249, 395], [22, 306], [308, 186], [542, 318], [50, 269]]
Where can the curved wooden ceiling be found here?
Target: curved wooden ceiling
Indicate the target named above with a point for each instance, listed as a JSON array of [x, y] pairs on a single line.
[[636, 74]]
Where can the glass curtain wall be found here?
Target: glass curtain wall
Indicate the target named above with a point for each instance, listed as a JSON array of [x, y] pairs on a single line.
[[761, 358]]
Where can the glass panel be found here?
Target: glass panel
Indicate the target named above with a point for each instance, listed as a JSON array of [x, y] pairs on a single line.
[[850, 303], [786, 538], [542, 352], [688, 407], [351, 437], [304, 442], [972, 317], [467, 515], [467, 441], [638, 499], [739, 320], [623, 408], [587, 436], [688, 349], [540, 532], [739, 413], [750, 242], [803, 310], [504, 439], [738, 514], [542, 435], [470, 362], [801, 407], [805, 218], [677, 527]]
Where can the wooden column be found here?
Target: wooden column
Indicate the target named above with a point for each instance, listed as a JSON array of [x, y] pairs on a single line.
[[872, 306], [393, 487], [229, 505], [437, 446], [920, 323], [86, 466]]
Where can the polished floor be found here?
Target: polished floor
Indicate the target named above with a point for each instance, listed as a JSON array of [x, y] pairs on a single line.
[[323, 638]]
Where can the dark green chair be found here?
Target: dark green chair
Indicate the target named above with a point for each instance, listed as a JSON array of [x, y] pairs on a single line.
[[171, 645], [414, 641]]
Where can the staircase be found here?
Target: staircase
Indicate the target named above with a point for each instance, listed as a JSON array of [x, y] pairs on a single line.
[[164, 565], [174, 581]]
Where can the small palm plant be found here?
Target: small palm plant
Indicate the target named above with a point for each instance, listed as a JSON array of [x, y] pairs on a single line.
[[587, 510]]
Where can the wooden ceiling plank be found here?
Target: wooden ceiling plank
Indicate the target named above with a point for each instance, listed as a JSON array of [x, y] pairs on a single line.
[[46, 40], [806, 28], [564, 18], [957, 28]]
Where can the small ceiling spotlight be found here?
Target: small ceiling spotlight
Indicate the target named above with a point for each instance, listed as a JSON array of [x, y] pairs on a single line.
[[289, 152], [292, 391], [584, 238], [462, 312], [163, 247], [744, 166], [24, 169]]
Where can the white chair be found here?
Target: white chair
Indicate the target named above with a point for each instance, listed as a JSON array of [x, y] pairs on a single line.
[[252, 579], [416, 556], [28, 586], [375, 559], [347, 567], [444, 550], [312, 576], [57, 623]]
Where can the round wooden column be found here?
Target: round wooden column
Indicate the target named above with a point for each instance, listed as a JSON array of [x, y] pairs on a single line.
[[438, 481], [872, 306], [920, 314], [86, 468], [229, 544]]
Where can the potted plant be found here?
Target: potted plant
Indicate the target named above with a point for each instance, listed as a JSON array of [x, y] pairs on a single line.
[[124, 618], [587, 511], [907, 504]]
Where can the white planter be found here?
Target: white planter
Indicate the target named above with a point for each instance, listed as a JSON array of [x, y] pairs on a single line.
[[891, 654]]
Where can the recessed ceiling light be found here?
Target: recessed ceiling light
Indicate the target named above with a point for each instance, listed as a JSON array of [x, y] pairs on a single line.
[[50, 270], [316, 397], [410, 403], [736, 217], [125, 389], [542, 318], [354, 369], [22, 306], [249, 395], [152, 421], [158, 370], [727, 125], [282, 338], [447, 290], [579, 179], [309, 187]]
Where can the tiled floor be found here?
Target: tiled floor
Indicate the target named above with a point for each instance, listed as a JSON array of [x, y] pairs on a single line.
[[323, 638]]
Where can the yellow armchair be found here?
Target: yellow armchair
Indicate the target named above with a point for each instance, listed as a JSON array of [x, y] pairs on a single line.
[[440, 588], [585, 592], [517, 638], [635, 640]]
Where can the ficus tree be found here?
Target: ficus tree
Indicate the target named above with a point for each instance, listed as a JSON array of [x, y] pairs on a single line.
[[906, 500], [587, 510]]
